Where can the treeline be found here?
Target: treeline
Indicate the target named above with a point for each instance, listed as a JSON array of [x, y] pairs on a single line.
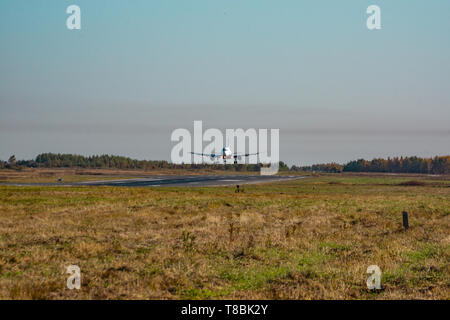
[[53, 160], [326, 167], [436, 165]]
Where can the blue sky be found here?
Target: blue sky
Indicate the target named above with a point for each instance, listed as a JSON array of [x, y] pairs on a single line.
[[137, 70]]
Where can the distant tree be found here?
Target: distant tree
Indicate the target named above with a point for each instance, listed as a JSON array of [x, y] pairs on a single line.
[[283, 166]]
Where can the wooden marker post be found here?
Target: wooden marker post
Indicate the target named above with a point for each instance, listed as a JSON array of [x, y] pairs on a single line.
[[405, 220]]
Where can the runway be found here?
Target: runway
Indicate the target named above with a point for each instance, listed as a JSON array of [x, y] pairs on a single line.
[[174, 181]]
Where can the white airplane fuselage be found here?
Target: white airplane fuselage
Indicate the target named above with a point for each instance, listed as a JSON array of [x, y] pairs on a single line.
[[227, 153]]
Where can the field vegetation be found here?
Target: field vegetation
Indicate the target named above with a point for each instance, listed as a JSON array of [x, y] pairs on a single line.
[[305, 239]]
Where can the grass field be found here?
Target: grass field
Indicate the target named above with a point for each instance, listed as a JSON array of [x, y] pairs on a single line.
[[303, 239]]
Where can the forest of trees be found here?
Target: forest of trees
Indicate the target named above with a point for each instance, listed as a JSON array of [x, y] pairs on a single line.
[[326, 167], [436, 165], [53, 160]]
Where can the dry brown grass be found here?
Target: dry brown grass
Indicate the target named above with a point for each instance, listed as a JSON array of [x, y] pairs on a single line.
[[306, 239]]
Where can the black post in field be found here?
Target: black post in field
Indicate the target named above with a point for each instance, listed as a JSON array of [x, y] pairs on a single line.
[[405, 220]]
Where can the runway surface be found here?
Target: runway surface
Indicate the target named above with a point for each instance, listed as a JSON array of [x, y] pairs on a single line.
[[173, 181]]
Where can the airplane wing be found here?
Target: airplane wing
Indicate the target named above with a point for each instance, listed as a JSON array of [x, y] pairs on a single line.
[[212, 155], [244, 155]]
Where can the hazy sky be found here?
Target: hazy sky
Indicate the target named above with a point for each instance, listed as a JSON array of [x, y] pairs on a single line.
[[137, 70]]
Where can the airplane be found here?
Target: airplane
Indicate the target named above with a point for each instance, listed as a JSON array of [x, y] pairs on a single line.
[[226, 154]]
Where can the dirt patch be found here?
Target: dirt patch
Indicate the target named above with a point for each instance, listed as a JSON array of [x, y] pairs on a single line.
[[412, 183]]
